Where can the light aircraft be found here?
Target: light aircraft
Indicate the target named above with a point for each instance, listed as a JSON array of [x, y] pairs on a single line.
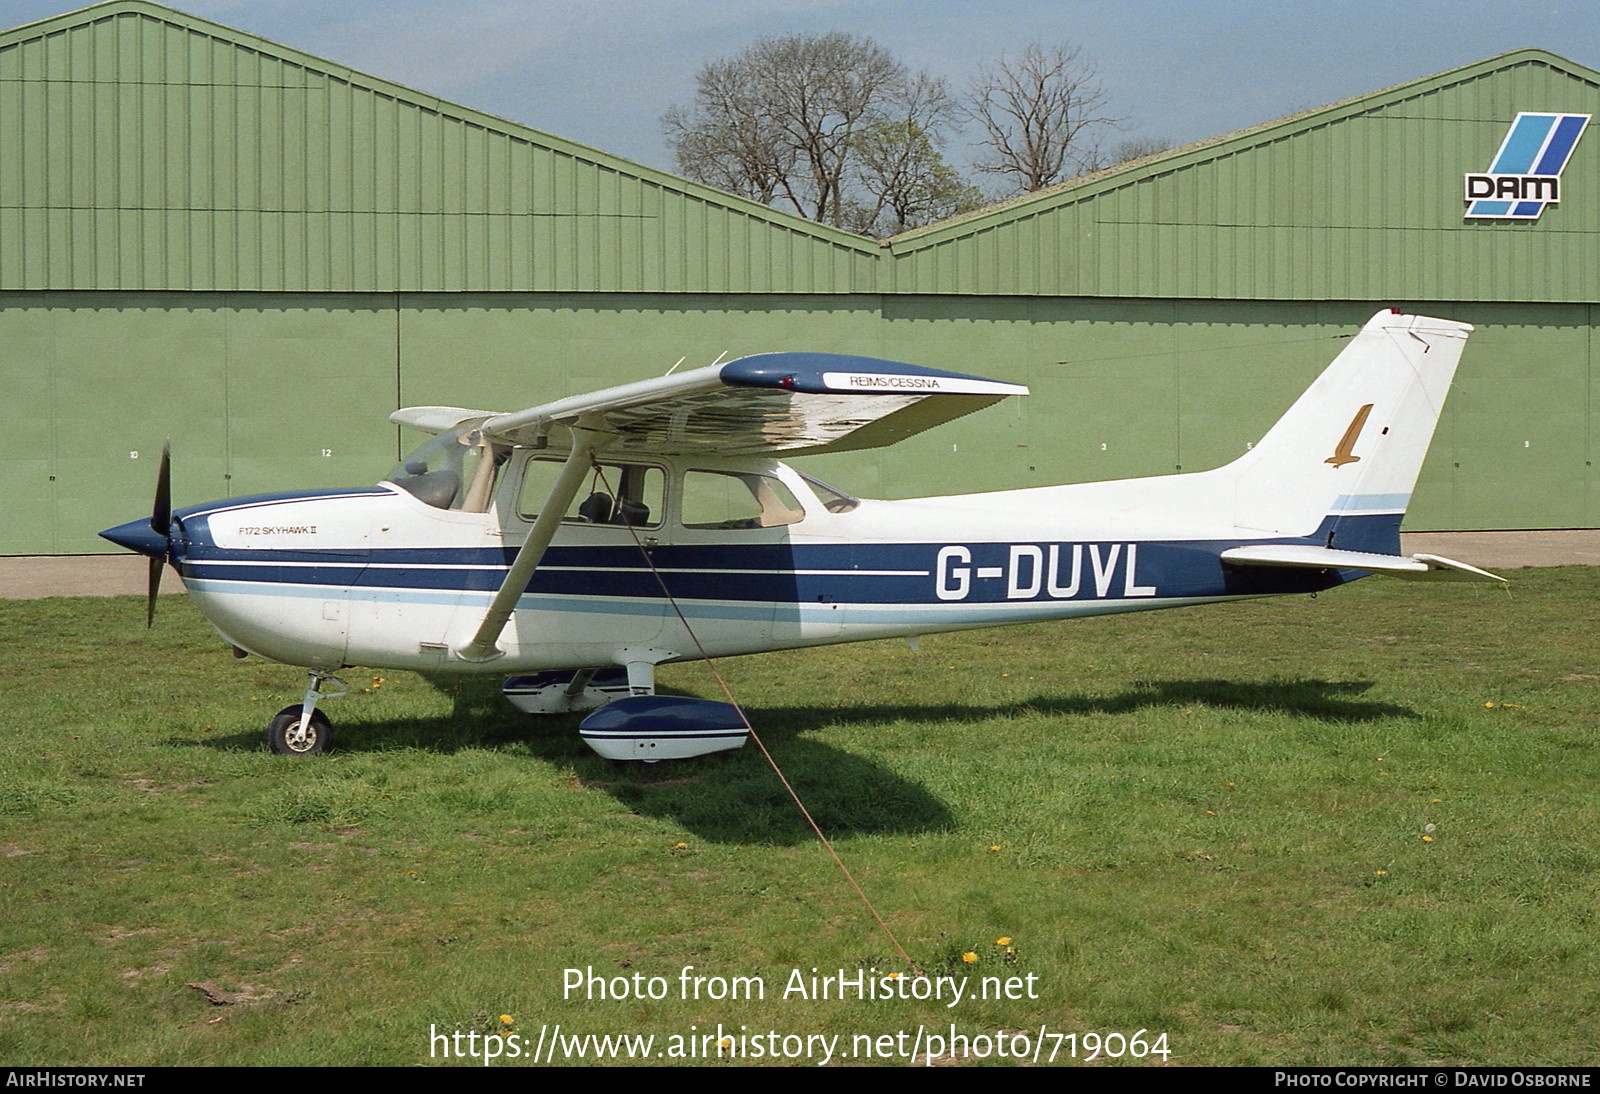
[[583, 542]]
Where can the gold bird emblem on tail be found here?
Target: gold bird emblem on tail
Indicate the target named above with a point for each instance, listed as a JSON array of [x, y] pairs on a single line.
[[1342, 454]]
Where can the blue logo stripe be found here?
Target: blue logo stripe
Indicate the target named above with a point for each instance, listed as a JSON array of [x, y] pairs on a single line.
[[1522, 144], [1538, 145], [1562, 142]]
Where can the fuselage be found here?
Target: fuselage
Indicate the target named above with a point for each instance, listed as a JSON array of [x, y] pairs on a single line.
[[388, 577]]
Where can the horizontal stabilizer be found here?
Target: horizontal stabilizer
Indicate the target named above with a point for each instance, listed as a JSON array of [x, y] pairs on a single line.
[[1415, 568], [1448, 569]]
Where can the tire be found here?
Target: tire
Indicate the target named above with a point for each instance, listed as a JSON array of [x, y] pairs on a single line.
[[319, 733]]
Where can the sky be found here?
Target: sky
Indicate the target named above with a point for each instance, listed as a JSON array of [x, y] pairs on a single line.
[[602, 72]]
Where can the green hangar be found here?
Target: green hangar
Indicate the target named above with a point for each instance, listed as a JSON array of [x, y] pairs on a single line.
[[260, 253]]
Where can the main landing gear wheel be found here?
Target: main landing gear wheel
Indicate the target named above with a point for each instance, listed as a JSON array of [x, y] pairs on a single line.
[[285, 737]]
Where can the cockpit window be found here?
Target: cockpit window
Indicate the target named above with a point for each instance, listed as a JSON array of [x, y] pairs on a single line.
[[620, 494], [737, 499], [455, 470]]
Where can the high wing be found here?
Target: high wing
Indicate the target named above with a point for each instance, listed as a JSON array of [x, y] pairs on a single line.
[[759, 405], [754, 406]]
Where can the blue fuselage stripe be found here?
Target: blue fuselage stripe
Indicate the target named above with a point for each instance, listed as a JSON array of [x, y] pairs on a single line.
[[805, 575]]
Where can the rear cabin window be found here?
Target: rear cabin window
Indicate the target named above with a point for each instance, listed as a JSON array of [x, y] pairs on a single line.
[[737, 499], [619, 494]]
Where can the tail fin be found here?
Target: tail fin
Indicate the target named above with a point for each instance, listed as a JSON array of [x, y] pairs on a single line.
[[1350, 448]]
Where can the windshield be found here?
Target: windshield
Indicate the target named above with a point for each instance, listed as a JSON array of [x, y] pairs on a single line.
[[455, 470]]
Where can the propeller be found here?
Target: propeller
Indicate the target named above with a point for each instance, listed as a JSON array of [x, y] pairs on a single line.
[[161, 525], [151, 537]]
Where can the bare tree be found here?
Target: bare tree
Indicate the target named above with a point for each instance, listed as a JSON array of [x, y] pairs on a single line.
[[900, 174], [799, 120], [904, 182], [1039, 113], [729, 139]]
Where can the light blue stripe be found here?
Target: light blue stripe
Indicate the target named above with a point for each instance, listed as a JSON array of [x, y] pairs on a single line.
[[1522, 145], [376, 595], [701, 611], [1350, 503]]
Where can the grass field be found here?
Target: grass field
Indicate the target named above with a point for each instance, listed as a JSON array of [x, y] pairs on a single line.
[[1356, 829]]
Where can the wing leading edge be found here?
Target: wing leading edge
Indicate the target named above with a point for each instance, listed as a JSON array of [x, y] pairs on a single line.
[[767, 403]]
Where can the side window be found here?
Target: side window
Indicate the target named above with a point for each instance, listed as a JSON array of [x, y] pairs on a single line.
[[617, 494], [736, 499]]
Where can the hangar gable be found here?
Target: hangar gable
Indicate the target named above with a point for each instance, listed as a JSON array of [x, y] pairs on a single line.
[[1360, 200]]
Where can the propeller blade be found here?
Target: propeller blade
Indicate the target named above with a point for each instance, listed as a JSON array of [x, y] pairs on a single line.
[[153, 588], [161, 525], [161, 512]]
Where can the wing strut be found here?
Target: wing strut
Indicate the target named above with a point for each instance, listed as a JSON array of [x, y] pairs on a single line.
[[483, 646]]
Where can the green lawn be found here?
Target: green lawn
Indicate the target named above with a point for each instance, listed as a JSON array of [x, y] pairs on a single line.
[[1356, 829]]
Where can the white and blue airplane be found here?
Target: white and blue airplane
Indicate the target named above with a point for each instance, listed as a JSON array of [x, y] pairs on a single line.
[[588, 540]]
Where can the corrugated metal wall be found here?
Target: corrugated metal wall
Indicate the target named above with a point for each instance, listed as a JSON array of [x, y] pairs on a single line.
[[141, 149], [1358, 201], [285, 391]]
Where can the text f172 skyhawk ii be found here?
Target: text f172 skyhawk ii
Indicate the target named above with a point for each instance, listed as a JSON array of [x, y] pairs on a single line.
[[583, 542]]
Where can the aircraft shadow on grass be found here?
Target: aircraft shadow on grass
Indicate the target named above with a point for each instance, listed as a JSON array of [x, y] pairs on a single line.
[[1324, 699], [734, 797]]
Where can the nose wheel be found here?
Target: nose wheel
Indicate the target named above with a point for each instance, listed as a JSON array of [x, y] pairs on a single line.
[[302, 729], [290, 733]]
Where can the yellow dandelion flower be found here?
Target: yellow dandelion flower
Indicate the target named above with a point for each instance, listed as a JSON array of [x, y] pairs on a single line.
[[1380, 873], [1006, 941], [970, 958], [1209, 813], [994, 847], [507, 1020], [679, 846], [1427, 839], [1488, 704]]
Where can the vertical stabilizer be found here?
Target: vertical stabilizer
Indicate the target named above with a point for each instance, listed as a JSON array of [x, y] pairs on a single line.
[[1353, 444]]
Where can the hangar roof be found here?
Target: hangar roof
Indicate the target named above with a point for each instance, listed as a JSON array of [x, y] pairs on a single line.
[[1358, 200], [146, 149]]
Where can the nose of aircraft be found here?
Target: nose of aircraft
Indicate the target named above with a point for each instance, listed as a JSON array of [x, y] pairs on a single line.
[[153, 537], [140, 536]]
